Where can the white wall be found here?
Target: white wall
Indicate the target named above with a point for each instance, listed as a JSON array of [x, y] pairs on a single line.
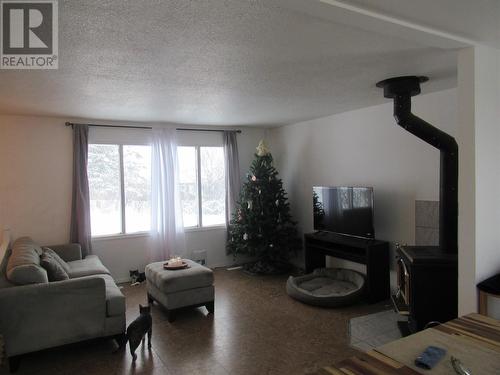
[[35, 192], [487, 140], [479, 93], [366, 148], [467, 299], [35, 177]]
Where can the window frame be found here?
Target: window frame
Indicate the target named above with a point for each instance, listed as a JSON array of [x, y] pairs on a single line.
[[123, 233], [200, 227]]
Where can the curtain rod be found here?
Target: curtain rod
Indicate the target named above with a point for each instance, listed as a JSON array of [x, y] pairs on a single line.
[[149, 127]]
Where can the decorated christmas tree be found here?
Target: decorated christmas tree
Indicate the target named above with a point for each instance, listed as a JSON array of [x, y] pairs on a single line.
[[262, 226]]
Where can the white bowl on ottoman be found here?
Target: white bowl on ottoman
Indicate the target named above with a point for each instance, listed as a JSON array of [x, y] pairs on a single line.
[[175, 289]]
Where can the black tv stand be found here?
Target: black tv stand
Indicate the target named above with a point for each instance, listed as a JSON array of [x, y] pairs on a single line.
[[370, 252]]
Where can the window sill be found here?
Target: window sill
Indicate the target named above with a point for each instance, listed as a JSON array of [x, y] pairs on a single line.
[[147, 234], [205, 229], [120, 236]]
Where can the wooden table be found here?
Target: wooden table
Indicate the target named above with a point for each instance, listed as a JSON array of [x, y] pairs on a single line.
[[473, 335]]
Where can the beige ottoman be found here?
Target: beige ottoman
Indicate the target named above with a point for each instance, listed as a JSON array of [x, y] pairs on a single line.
[[175, 289]]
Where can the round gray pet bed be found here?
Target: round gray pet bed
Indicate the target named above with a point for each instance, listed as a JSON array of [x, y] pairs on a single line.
[[327, 287]]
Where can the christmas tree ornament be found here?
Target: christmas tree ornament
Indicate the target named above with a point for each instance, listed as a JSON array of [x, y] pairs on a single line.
[[254, 178], [245, 236], [249, 203], [262, 149]]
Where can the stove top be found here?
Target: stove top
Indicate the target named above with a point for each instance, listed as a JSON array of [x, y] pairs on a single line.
[[426, 254]]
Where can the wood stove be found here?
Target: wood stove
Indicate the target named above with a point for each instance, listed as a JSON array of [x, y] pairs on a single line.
[[427, 285], [428, 275]]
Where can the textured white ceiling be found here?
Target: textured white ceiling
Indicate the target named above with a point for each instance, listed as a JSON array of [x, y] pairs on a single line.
[[477, 20], [213, 62]]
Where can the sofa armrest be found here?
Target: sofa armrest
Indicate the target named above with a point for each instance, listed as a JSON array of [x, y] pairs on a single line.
[[39, 316], [68, 252]]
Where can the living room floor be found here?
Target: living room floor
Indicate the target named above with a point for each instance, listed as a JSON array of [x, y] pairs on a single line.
[[256, 329]]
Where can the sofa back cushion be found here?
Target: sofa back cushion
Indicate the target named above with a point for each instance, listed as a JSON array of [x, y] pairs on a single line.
[[23, 266]]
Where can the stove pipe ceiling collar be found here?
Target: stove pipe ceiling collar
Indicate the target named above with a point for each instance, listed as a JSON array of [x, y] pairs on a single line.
[[401, 89]]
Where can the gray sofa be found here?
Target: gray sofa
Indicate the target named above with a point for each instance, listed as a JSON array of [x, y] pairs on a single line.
[[43, 314]]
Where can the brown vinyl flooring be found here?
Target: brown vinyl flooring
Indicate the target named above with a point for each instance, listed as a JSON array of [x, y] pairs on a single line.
[[256, 329]]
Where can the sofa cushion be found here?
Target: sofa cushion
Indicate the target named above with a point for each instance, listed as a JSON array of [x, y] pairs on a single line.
[[55, 271], [24, 251], [57, 258], [167, 281], [23, 266], [91, 265], [115, 300]]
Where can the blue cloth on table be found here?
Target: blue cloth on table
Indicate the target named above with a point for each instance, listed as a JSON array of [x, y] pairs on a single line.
[[430, 357]]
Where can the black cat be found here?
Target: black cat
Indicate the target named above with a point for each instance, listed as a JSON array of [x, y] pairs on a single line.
[[136, 331], [136, 277]]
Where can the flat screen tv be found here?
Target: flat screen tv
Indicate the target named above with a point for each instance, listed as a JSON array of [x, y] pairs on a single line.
[[344, 210]]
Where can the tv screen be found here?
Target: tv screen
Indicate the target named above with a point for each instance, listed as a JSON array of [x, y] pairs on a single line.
[[344, 210]]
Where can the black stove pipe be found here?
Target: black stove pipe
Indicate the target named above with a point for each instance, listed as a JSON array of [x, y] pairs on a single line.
[[401, 89]]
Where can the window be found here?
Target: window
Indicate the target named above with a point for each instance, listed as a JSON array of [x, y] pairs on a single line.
[[137, 183], [202, 185], [188, 185], [120, 188]]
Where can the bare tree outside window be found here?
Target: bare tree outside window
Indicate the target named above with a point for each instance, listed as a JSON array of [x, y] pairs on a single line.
[[188, 185], [104, 187], [201, 173], [213, 186], [137, 173], [119, 204]]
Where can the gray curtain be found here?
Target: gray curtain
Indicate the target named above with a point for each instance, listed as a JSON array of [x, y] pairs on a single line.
[[80, 206], [232, 165]]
